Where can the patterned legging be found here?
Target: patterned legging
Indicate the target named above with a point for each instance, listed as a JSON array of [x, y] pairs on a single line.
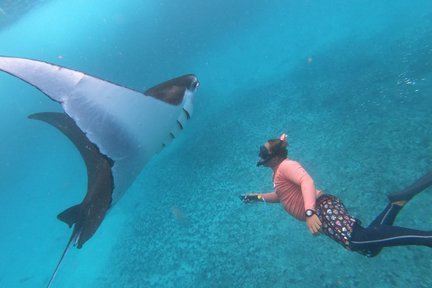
[[347, 231]]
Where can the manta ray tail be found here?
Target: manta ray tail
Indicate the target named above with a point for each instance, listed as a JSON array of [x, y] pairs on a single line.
[[71, 242]]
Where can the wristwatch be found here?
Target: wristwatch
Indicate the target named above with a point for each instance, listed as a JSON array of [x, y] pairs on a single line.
[[309, 212]]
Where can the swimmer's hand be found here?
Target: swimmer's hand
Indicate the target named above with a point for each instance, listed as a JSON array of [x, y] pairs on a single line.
[[249, 198], [314, 224]]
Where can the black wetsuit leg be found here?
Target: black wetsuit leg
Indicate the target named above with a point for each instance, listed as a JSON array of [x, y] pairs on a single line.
[[387, 216], [380, 233]]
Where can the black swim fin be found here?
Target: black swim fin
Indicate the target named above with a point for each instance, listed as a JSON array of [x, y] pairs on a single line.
[[406, 194]]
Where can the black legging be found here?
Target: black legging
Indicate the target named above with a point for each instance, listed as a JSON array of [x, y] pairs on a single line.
[[380, 233]]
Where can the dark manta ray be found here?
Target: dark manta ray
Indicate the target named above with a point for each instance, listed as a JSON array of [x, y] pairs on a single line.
[[115, 129]]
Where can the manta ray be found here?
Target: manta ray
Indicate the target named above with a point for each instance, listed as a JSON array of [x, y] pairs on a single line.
[[116, 130]]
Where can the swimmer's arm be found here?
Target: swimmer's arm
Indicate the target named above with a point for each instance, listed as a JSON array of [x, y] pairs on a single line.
[[270, 197], [260, 197], [298, 175], [309, 192]]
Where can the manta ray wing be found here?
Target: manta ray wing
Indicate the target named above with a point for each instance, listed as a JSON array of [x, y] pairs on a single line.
[[115, 129], [127, 126], [88, 215]]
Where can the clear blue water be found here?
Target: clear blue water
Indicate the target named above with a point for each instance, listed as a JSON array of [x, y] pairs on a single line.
[[349, 81]]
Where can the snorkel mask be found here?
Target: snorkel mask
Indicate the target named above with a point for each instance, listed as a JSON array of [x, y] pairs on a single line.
[[265, 155]]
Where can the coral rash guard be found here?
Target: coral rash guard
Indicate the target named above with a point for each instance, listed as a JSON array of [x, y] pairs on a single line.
[[295, 188]]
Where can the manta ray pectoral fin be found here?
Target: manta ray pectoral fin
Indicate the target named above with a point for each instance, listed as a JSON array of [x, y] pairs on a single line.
[[71, 215], [68, 127], [116, 130], [88, 215]]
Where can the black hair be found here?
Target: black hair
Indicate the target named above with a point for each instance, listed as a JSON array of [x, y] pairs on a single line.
[[278, 147]]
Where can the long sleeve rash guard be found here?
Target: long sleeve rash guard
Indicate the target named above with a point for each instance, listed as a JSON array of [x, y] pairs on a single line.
[[295, 188]]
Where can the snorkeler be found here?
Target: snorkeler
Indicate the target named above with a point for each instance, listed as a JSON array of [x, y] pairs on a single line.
[[325, 213]]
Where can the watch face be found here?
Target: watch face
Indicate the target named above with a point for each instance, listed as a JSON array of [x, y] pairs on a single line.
[[309, 212]]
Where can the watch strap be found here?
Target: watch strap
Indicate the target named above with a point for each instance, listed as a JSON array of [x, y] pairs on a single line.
[[310, 212]]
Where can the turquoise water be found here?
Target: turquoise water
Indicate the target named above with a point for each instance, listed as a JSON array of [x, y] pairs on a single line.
[[349, 81]]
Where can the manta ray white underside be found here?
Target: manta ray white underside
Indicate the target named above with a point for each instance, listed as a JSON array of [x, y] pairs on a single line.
[[124, 124], [116, 130]]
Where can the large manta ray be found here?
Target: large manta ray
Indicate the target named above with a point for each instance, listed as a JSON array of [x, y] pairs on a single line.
[[115, 129]]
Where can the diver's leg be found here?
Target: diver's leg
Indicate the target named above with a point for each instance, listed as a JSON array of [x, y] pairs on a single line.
[[403, 196], [398, 200], [371, 240], [380, 233], [387, 216]]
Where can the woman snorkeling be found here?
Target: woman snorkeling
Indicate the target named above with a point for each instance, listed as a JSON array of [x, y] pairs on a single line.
[[325, 213]]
